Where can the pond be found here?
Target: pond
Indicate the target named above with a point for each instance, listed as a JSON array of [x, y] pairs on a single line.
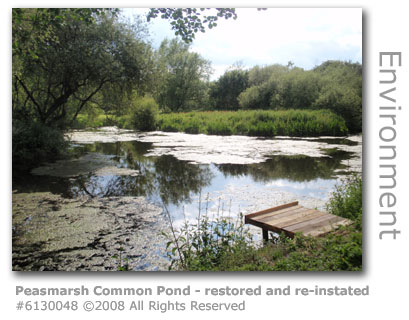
[[192, 173]]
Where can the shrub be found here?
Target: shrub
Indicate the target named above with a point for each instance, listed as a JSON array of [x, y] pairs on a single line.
[[346, 200], [335, 252], [35, 142], [144, 114], [124, 122], [84, 121]]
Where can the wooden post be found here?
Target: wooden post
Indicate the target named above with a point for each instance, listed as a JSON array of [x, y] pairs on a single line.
[[265, 235]]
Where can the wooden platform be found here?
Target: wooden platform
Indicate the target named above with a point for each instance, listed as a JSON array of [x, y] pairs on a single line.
[[291, 218]]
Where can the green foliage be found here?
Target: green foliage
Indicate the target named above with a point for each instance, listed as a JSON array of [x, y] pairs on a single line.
[[225, 91], [279, 87], [297, 89], [204, 245], [263, 87], [71, 60], [334, 85], [344, 101], [34, 142], [34, 26], [85, 68], [188, 21], [255, 123], [181, 82], [346, 200], [86, 121], [256, 97], [341, 91], [261, 74], [338, 251], [90, 117], [144, 114]]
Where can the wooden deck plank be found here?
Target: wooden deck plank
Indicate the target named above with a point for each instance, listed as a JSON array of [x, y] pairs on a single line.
[[253, 215], [280, 214], [314, 223], [327, 228], [291, 218], [303, 217], [285, 216], [303, 226]]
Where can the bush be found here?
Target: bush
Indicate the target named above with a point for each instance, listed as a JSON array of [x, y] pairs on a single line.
[[346, 200], [337, 251], [256, 97], [144, 114], [34, 143], [84, 121]]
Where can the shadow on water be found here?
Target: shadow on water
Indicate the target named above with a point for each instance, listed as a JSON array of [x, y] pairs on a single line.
[[294, 168], [172, 181]]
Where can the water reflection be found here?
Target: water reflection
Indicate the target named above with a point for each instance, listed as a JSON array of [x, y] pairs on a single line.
[[294, 168], [161, 178], [178, 180], [175, 182]]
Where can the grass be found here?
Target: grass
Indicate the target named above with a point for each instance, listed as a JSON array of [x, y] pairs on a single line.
[[224, 245], [255, 123], [83, 121], [266, 123]]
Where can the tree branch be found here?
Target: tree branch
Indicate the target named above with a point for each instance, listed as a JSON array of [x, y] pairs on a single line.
[[84, 101], [30, 96]]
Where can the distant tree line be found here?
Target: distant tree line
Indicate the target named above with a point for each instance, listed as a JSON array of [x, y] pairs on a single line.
[[69, 63], [333, 85]]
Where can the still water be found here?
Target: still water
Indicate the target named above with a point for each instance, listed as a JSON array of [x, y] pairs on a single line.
[[180, 185], [56, 228]]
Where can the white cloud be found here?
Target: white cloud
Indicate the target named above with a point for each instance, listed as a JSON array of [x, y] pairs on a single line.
[[306, 36], [219, 70]]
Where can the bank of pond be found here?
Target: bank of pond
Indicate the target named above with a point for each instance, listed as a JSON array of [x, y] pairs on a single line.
[[267, 123]]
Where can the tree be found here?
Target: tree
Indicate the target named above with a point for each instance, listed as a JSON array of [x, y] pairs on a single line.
[[261, 74], [225, 91], [183, 77], [188, 21], [341, 91], [263, 87], [67, 62], [334, 85], [297, 89], [255, 97], [342, 100], [34, 26]]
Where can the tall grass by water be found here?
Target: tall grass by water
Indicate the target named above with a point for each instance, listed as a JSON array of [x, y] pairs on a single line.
[[296, 123], [267, 123], [222, 244]]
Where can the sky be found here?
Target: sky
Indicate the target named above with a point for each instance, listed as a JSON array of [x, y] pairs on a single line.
[[305, 36]]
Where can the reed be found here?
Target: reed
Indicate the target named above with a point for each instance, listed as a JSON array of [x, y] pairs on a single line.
[[295, 123]]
